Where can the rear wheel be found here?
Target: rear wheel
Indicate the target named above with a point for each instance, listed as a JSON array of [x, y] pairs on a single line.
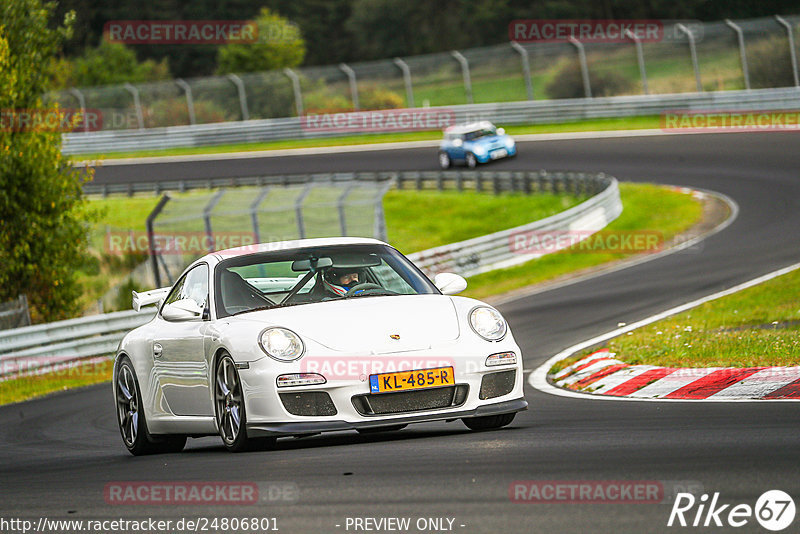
[[230, 411], [489, 422], [444, 160], [131, 418], [470, 160]]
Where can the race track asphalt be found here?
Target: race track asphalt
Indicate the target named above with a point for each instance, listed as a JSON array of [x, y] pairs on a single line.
[[58, 453]]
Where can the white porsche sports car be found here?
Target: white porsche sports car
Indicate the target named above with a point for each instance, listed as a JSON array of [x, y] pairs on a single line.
[[301, 337]]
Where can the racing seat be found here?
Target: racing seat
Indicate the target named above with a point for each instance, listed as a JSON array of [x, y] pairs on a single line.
[[238, 295]]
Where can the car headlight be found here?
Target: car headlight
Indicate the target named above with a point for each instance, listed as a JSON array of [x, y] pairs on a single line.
[[510, 143], [488, 323], [281, 344], [478, 150]]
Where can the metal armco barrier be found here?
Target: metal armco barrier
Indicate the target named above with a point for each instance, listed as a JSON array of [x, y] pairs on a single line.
[[525, 112], [40, 347]]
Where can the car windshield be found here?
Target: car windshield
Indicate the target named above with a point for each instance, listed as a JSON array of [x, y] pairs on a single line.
[[284, 278], [477, 134]]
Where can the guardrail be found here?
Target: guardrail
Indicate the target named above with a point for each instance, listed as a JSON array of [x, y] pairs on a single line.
[[525, 112], [496, 251], [42, 347], [31, 348]]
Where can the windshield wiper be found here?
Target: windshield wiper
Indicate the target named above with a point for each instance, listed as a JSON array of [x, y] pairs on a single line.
[[258, 308]]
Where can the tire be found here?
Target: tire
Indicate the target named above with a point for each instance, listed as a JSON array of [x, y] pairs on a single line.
[[470, 160], [489, 422], [131, 418], [444, 160], [376, 429], [229, 409]]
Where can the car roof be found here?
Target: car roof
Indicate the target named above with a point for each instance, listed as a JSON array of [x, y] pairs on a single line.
[[470, 127], [295, 244]]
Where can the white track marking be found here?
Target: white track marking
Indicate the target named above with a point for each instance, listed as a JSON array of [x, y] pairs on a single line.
[[538, 378]]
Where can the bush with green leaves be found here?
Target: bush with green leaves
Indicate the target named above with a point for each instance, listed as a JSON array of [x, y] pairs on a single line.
[[568, 81], [279, 44], [43, 237], [770, 63]]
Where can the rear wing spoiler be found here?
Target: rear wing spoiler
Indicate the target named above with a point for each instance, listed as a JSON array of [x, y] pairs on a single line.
[[148, 298]]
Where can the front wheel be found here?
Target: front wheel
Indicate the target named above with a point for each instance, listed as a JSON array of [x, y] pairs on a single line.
[[471, 161], [444, 160], [131, 419], [230, 411], [489, 422]]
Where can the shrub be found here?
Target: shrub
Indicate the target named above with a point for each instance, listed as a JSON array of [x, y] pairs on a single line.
[[770, 63], [568, 81]]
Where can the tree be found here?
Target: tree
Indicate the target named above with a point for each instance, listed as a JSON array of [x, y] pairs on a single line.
[[279, 44], [43, 212]]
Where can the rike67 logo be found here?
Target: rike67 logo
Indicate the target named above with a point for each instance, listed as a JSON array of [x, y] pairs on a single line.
[[774, 510]]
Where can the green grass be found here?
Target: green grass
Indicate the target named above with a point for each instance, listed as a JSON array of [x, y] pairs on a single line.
[[755, 327], [624, 123], [647, 207], [28, 387], [461, 216]]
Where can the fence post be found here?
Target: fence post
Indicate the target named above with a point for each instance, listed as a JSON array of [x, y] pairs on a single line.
[[351, 77], [379, 230], [298, 93], [136, 104], [742, 52], [207, 217], [526, 68], [298, 210], [151, 245], [340, 207], [254, 213], [82, 103], [403, 66], [693, 52], [587, 86], [792, 54], [189, 101], [242, 95], [464, 73], [639, 58]]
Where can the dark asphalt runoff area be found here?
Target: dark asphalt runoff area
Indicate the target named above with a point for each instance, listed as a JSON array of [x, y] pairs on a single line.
[[57, 454]]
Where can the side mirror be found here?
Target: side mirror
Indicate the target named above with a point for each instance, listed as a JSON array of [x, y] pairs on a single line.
[[501, 131], [457, 142], [182, 310], [450, 283]]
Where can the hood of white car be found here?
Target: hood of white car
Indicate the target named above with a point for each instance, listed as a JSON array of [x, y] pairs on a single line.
[[366, 324]]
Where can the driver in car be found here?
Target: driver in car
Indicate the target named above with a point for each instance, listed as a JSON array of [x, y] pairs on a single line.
[[339, 282]]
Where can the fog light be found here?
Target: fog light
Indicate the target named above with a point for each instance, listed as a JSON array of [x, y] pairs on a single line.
[[300, 379], [502, 358]]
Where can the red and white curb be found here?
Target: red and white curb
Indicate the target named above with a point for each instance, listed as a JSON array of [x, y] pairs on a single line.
[[601, 374], [752, 384]]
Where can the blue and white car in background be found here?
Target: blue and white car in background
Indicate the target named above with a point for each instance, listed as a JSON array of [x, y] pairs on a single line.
[[477, 142]]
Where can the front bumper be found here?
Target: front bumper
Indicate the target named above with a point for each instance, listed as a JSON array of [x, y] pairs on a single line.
[[293, 428]]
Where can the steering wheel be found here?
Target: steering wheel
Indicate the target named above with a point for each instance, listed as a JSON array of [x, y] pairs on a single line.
[[361, 287]]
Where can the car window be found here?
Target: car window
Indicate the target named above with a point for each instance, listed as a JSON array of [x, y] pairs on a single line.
[[194, 285], [296, 277], [477, 134]]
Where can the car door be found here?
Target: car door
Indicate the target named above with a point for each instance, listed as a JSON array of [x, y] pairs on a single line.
[[179, 355]]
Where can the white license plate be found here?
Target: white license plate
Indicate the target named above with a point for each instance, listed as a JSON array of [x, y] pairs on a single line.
[[499, 153]]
